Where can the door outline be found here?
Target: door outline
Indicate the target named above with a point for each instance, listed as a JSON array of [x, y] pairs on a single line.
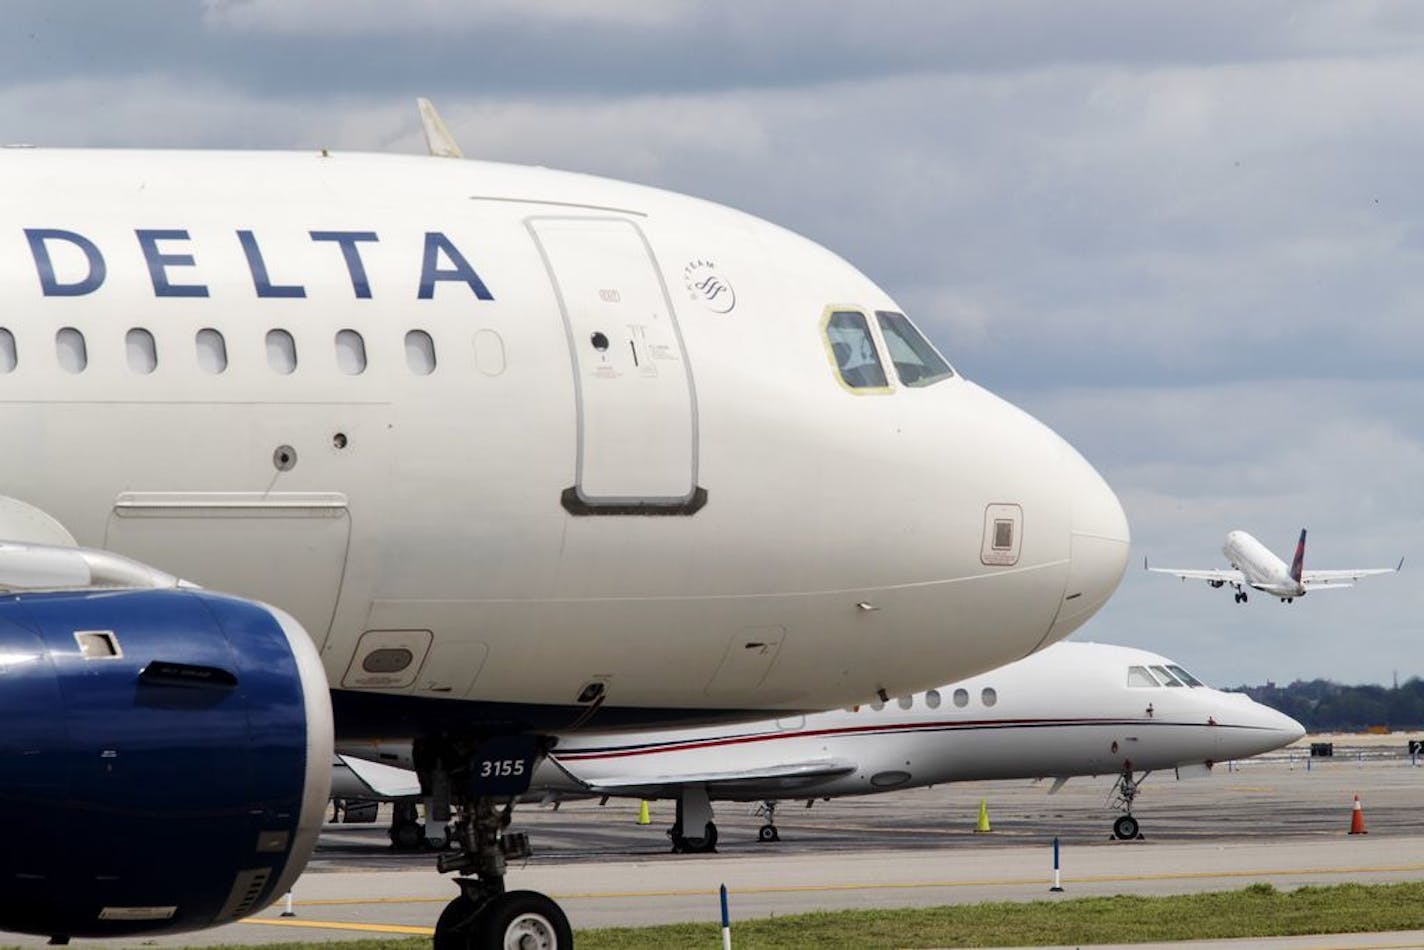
[[573, 498]]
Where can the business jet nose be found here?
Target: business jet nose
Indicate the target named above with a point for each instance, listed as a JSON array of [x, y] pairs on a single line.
[[1098, 545], [1254, 728]]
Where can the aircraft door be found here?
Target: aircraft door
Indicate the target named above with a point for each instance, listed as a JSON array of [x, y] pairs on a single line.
[[637, 409]]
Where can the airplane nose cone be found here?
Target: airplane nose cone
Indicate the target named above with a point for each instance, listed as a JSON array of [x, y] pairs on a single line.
[[1262, 729], [1098, 545]]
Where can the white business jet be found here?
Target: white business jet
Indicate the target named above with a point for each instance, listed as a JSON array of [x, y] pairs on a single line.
[[1071, 709], [508, 451], [1256, 567]]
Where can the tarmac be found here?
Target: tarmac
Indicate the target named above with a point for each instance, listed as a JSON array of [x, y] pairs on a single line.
[[1282, 820]]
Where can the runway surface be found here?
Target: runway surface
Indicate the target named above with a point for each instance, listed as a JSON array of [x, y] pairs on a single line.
[[1272, 820]]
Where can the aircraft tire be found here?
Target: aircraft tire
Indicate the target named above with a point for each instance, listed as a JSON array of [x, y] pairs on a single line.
[[519, 919], [407, 836], [681, 844], [1125, 828], [457, 928], [768, 833]]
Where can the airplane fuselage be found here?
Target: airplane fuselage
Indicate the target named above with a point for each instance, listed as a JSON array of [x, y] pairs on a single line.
[[1072, 709], [1260, 568], [529, 443]]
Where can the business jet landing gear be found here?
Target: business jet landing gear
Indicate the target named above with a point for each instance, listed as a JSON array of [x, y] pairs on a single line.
[[694, 811], [478, 783], [407, 833], [1124, 792], [767, 833]]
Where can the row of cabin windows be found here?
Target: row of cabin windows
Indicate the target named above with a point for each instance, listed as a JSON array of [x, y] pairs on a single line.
[[141, 351], [960, 697]]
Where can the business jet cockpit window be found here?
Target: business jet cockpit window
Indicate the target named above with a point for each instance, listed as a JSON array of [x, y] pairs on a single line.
[[1184, 676], [917, 363], [1138, 676], [1166, 677], [853, 351]]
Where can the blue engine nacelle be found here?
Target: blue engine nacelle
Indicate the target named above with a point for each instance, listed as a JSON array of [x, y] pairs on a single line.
[[165, 758]]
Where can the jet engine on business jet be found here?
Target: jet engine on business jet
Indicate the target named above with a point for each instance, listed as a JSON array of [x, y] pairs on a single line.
[[164, 759]]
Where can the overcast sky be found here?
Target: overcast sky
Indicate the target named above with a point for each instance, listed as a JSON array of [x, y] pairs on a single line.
[[1190, 237]]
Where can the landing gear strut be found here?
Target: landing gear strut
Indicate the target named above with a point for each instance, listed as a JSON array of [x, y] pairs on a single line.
[[478, 783], [1124, 792], [407, 833], [767, 832], [694, 815]]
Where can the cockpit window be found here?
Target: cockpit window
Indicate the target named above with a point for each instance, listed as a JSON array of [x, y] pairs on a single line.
[[1138, 676], [1167, 678], [916, 361], [1184, 676], [853, 349]]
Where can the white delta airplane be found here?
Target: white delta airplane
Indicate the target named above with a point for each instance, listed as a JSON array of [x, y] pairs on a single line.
[[1255, 566], [477, 454], [1071, 709]]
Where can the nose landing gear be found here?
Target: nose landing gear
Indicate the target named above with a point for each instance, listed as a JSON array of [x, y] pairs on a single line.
[[479, 782], [1124, 792], [767, 833]]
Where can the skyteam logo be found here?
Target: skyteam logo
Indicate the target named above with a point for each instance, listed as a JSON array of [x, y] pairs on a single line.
[[706, 284]]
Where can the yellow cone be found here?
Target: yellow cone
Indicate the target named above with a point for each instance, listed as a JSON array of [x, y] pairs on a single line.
[[643, 817], [983, 824]]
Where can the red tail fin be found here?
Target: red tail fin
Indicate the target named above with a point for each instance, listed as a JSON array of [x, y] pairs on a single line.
[[1299, 561]]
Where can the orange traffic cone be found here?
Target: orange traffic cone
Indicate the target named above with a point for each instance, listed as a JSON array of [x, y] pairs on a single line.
[[1357, 819]]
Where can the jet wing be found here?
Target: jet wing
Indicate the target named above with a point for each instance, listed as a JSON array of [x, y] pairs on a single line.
[[786, 776], [384, 781], [1217, 577], [1321, 580]]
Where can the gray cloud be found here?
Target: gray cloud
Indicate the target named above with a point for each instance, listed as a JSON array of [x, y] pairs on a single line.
[[1189, 238]]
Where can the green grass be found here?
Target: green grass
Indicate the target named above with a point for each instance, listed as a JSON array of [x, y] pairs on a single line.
[[1256, 911]]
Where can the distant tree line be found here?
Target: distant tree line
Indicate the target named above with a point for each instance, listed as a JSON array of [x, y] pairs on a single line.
[[1323, 706]]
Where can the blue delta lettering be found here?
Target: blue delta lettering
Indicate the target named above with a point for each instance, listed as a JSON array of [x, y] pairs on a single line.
[[166, 251]]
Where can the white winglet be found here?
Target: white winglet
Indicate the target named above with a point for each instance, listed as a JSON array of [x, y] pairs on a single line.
[[437, 138]]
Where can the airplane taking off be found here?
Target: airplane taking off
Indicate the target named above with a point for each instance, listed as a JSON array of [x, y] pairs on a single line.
[[520, 451], [1071, 709], [1256, 567]]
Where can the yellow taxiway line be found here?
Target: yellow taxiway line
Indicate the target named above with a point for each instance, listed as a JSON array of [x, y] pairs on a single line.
[[897, 885]]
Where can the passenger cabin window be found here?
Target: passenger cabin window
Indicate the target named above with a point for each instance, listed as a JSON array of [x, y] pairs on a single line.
[[1138, 676], [350, 353], [989, 696], [212, 351], [281, 352], [420, 352], [9, 359], [1184, 676], [917, 363], [1166, 677], [141, 351], [906, 702], [961, 698], [69, 348], [932, 699], [853, 350]]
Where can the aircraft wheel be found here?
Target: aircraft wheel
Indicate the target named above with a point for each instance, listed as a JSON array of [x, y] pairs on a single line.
[[407, 836], [1125, 828], [522, 920], [457, 928], [768, 833], [681, 844]]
